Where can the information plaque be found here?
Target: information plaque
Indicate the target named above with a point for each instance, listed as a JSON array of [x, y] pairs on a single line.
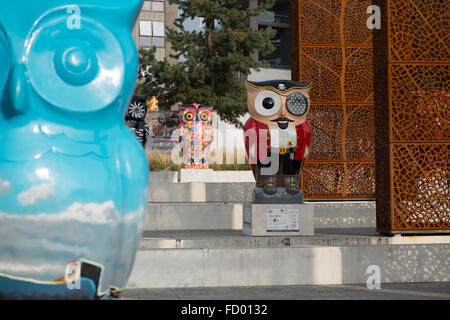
[[283, 220]]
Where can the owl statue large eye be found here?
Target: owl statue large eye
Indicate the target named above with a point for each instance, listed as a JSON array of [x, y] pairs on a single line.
[[278, 138], [189, 115], [196, 135], [73, 177], [87, 63], [205, 115]]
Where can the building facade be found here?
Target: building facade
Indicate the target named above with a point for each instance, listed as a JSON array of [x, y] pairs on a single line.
[[155, 16], [150, 29]]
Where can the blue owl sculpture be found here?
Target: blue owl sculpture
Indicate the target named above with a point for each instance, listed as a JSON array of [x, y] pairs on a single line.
[[73, 177]]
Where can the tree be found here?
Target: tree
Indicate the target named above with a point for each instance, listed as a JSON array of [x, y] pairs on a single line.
[[211, 61]]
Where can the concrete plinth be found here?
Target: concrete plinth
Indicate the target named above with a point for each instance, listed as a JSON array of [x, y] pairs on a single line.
[[193, 216], [281, 197], [225, 267], [225, 192], [278, 219], [196, 175]]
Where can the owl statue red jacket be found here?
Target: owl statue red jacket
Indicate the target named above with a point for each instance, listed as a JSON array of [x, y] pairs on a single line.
[[257, 149]]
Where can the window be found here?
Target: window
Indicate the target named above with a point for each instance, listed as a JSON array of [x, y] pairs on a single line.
[[147, 6], [158, 29], [152, 34], [158, 6], [145, 41], [158, 42], [145, 28]]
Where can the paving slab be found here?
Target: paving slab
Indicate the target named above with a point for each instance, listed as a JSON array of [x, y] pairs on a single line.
[[388, 291]]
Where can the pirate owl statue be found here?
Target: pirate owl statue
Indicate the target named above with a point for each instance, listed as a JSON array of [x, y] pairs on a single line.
[[196, 135], [135, 117], [278, 138], [73, 178]]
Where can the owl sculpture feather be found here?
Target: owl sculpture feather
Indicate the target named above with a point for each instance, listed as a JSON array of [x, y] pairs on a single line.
[[73, 177]]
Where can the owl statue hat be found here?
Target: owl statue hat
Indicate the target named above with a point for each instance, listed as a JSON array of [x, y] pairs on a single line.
[[73, 177], [278, 138]]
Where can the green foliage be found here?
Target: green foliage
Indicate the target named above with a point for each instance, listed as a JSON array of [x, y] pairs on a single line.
[[211, 62]]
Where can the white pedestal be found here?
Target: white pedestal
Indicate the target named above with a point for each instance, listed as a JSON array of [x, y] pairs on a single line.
[[278, 220], [196, 175]]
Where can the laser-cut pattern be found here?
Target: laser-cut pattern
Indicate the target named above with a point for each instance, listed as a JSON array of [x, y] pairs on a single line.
[[419, 30], [339, 179], [420, 102], [412, 117], [333, 49], [420, 186], [339, 129]]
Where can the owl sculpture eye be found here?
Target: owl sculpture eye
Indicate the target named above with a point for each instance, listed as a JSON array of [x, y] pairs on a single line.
[[189, 115], [297, 104], [267, 103], [136, 110], [88, 65], [204, 116]]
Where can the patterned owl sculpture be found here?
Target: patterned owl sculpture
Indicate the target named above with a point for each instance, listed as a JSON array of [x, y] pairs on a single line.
[[73, 178], [196, 135], [135, 117]]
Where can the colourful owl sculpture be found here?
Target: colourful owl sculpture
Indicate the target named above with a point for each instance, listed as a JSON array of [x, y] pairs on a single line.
[[196, 135], [73, 177], [135, 117]]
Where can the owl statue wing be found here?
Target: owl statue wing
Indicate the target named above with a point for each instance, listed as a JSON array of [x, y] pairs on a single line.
[[5, 61], [304, 132], [251, 141]]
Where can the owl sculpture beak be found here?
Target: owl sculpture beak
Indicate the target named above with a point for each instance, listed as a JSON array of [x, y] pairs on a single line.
[[282, 122], [14, 96]]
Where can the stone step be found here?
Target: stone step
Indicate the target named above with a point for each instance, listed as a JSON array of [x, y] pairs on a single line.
[[210, 215], [190, 239], [289, 265], [235, 176], [193, 216], [237, 192], [222, 186]]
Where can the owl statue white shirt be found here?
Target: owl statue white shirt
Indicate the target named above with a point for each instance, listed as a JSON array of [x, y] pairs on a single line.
[[283, 137]]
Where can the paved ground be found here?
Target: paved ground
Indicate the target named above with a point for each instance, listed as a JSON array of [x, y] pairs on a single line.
[[391, 291]]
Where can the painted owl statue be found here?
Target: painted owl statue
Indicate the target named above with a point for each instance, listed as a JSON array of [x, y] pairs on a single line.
[[278, 138], [196, 135], [135, 117], [73, 177]]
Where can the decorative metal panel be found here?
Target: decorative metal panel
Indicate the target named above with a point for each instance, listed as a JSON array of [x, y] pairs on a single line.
[[420, 192], [412, 67], [332, 47]]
